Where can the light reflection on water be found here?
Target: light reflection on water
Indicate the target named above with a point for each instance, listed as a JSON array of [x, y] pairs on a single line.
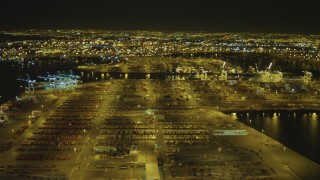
[[299, 130]]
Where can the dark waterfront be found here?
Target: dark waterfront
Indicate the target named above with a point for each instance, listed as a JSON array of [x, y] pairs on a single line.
[[298, 130]]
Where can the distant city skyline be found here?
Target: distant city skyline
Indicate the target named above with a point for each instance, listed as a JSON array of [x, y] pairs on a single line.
[[218, 16]]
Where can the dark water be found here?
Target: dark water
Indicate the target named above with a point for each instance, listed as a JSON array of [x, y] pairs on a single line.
[[11, 71], [298, 130], [8, 83], [90, 76]]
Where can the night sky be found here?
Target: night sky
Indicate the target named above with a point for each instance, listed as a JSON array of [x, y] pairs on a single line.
[[198, 15]]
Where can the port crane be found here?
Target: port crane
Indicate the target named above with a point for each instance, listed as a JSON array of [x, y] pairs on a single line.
[[29, 83]]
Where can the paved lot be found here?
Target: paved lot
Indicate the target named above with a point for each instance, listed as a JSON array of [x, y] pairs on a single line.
[[112, 129]]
